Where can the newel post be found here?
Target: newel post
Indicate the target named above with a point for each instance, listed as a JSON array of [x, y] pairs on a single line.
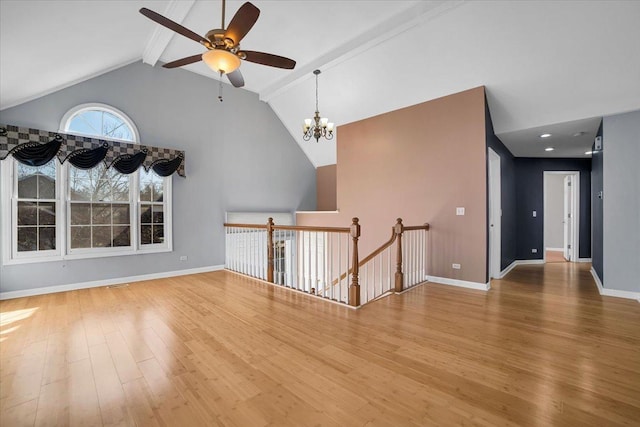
[[270, 250], [398, 229], [354, 289]]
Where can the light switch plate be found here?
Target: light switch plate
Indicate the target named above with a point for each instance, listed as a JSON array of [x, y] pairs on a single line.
[[459, 211]]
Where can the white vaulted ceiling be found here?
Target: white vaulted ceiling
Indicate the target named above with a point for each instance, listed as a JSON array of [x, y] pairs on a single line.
[[547, 66]]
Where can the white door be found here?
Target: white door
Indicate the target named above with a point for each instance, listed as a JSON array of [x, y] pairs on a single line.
[[495, 214], [567, 221]]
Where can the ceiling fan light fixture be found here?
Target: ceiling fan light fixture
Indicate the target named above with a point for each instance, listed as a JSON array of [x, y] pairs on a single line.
[[219, 60]]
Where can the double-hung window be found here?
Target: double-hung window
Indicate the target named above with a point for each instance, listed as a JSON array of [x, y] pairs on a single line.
[[56, 211], [34, 211]]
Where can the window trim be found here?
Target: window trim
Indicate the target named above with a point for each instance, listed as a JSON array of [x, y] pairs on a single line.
[[63, 251], [7, 175], [96, 106]]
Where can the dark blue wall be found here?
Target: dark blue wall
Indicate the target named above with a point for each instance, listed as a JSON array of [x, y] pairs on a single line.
[[597, 185], [508, 196], [529, 198]]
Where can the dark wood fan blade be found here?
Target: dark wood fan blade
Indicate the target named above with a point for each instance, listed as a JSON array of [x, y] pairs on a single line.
[[242, 22], [236, 79], [184, 61], [269, 59], [154, 16]]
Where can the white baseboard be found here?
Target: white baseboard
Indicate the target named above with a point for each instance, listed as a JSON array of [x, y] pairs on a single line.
[[460, 283], [583, 260], [107, 282], [518, 262], [613, 292], [555, 249], [528, 261]]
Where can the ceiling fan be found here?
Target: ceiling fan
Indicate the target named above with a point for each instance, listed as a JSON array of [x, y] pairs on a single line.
[[224, 53]]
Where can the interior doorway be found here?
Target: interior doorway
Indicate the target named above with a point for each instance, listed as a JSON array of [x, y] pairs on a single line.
[[495, 215], [561, 216]]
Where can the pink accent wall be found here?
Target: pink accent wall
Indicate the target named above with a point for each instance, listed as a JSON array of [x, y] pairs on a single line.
[[326, 188], [418, 163]]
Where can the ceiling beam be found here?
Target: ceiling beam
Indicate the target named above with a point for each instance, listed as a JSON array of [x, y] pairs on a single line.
[[176, 10], [415, 15]]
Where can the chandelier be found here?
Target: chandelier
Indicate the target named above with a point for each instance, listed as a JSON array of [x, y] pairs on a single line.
[[321, 126]]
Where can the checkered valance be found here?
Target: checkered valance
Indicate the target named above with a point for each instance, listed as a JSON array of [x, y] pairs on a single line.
[[17, 140]]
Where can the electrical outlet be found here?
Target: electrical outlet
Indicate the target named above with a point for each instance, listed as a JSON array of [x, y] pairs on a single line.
[[535, 214], [459, 211], [183, 258], [534, 251], [455, 266]]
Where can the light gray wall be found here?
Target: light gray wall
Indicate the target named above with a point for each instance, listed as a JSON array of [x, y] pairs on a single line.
[[621, 201], [239, 157], [554, 210]]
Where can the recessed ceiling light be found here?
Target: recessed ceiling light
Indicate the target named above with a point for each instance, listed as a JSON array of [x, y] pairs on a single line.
[[579, 133], [588, 152], [548, 149], [545, 135]]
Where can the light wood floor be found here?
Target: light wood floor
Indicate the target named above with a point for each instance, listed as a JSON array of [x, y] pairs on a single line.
[[541, 348]]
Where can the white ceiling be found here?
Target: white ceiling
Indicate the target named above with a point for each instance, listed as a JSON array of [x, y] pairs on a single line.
[[552, 67]]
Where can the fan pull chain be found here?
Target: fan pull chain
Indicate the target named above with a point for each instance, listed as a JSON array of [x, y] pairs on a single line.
[[220, 89]]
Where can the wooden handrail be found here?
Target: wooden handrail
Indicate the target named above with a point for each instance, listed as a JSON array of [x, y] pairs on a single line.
[[367, 258], [416, 227]]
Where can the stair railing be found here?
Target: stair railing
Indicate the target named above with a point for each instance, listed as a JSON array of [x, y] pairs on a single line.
[[316, 260], [324, 261]]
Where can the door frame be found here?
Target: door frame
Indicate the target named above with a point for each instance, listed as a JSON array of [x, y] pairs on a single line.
[[575, 225], [494, 218]]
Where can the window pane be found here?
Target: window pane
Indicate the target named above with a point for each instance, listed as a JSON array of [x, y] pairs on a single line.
[[115, 128], [121, 236], [102, 191], [46, 187], [158, 188], [145, 191], [47, 238], [47, 213], [101, 213], [27, 213], [100, 123], [88, 122], [27, 239], [80, 189], [120, 188], [145, 235], [158, 234], [28, 187], [121, 214], [158, 216], [101, 236], [80, 213], [80, 237], [145, 214]]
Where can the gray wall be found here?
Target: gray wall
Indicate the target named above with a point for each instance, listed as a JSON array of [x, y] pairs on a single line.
[[554, 211], [621, 197], [239, 156]]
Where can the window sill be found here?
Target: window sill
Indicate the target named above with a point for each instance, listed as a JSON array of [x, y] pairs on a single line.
[[86, 255]]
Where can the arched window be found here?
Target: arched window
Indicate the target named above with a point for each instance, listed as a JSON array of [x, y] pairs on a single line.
[[99, 120]]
